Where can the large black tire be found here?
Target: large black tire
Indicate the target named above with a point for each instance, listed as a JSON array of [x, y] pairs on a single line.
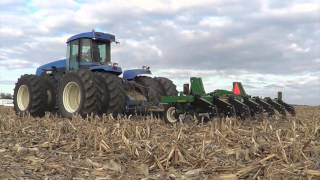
[[112, 93], [167, 86], [153, 90], [51, 88], [29, 96], [78, 94]]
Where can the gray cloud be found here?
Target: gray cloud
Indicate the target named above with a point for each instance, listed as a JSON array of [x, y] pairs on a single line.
[[279, 39]]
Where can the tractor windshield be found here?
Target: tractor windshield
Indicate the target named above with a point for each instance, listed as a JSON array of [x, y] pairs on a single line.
[[94, 51], [101, 51]]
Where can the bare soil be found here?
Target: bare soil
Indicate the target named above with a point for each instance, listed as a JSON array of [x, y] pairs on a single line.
[[148, 148]]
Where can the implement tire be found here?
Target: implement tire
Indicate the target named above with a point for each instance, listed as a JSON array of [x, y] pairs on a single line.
[[112, 93], [167, 85], [170, 115], [78, 94], [29, 96]]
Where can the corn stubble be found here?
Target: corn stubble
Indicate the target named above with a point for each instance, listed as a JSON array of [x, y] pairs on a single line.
[[148, 148]]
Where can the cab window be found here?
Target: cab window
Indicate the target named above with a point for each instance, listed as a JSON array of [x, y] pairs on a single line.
[[101, 52], [85, 50], [72, 55]]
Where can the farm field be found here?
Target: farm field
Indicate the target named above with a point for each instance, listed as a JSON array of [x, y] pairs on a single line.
[[146, 147]]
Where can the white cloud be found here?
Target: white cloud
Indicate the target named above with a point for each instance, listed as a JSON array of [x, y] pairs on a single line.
[[17, 63], [292, 8], [161, 6], [10, 2], [214, 21], [54, 4], [299, 8], [296, 48], [10, 32]]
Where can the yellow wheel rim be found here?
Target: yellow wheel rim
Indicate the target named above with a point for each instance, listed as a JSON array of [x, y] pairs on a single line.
[[23, 97], [71, 97]]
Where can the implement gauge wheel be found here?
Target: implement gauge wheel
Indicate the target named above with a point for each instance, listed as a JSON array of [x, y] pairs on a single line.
[[170, 115], [78, 94], [29, 96]]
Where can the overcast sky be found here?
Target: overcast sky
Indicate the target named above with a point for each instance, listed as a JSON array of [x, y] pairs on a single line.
[[268, 45]]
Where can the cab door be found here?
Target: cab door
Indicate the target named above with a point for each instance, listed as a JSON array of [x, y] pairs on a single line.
[[73, 56]]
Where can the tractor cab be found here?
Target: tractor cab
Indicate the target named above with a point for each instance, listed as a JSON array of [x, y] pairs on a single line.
[[89, 49]]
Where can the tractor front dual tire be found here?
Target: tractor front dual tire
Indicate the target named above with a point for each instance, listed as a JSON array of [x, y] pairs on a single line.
[[30, 96], [78, 94]]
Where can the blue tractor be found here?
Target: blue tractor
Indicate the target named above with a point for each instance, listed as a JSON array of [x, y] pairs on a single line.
[[87, 82]]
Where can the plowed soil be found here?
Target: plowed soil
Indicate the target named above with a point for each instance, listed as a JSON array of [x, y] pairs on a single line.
[[146, 147]]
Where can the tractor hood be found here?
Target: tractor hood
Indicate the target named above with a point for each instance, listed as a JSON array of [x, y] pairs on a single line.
[[59, 64]]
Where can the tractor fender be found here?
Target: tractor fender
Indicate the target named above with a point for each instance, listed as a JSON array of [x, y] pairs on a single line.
[[132, 73], [107, 68]]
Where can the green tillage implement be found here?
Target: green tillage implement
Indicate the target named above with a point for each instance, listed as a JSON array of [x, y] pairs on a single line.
[[195, 102], [188, 104]]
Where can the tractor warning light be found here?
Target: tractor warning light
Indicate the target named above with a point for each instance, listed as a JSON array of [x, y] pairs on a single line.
[[236, 89]]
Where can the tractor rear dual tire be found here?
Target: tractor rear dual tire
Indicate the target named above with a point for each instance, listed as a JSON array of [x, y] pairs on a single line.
[[78, 94], [157, 87], [153, 90], [112, 93], [168, 88], [30, 96]]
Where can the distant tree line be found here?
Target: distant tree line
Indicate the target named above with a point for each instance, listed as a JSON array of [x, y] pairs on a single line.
[[5, 96]]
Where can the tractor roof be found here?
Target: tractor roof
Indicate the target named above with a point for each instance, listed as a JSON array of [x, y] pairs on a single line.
[[94, 35]]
